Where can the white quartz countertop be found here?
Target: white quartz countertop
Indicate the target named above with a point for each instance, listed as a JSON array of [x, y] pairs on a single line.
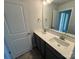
[[65, 51]]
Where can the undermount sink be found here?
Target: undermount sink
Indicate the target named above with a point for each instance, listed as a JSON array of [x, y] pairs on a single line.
[[59, 41]]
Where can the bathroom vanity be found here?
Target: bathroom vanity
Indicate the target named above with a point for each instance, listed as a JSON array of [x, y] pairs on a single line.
[[52, 48]]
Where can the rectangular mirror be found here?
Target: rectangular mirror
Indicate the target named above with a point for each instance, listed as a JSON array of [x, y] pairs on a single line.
[[59, 15]]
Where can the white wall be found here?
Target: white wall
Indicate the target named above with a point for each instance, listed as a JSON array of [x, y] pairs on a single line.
[[67, 6]]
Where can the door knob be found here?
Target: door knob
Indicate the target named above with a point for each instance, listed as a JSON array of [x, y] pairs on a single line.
[[28, 33]]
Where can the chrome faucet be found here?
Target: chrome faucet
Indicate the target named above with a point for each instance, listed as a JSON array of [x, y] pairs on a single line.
[[62, 37]]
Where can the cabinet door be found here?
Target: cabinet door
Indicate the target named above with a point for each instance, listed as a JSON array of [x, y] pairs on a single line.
[[34, 43], [49, 54], [42, 48], [37, 42]]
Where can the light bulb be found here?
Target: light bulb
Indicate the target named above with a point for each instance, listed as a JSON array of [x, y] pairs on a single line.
[[49, 1], [45, 2]]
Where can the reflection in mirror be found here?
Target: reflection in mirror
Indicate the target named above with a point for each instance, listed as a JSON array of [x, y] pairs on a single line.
[[64, 17], [59, 15]]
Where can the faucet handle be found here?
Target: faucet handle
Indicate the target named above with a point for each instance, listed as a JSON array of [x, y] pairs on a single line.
[[62, 37]]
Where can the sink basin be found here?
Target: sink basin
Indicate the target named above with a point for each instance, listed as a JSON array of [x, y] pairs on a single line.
[[61, 42]]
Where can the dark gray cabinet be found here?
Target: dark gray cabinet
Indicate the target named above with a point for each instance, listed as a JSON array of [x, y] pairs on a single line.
[[49, 54], [52, 53], [39, 44], [45, 49]]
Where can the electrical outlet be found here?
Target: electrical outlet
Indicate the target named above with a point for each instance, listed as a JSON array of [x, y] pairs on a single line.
[[38, 19]]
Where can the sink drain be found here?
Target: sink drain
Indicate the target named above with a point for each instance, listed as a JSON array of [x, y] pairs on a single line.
[[58, 45]]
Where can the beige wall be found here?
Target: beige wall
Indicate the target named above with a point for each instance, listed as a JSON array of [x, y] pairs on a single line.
[[34, 10], [49, 15]]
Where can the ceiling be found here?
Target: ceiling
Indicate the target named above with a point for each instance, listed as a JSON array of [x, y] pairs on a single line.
[[61, 1]]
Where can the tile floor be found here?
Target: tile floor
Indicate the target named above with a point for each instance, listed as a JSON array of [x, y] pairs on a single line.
[[34, 54]]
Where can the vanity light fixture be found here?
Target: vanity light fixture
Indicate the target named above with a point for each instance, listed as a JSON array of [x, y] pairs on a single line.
[[49, 1], [45, 2]]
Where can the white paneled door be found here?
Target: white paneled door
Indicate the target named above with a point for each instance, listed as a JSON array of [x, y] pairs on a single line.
[[17, 32]]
